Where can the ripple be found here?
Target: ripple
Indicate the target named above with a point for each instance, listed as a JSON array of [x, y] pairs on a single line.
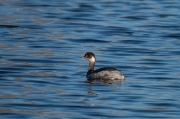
[[42, 73]]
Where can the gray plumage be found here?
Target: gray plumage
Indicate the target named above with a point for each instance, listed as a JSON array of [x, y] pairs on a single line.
[[102, 74]]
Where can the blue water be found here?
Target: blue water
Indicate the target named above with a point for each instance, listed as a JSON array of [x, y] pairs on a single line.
[[42, 71]]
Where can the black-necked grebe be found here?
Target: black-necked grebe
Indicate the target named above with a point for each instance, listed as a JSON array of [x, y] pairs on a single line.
[[103, 74]]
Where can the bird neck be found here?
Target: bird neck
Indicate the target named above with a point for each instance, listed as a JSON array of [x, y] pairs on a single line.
[[91, 66]]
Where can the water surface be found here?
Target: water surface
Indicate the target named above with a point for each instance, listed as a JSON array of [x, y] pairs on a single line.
[[42, 72]]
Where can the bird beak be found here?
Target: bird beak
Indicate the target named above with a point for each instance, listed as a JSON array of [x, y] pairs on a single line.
[[84, 57]]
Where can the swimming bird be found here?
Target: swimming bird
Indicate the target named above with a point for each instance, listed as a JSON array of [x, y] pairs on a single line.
[[106, 74]]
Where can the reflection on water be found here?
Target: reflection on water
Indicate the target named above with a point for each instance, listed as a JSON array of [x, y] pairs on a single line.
[[42, 72]]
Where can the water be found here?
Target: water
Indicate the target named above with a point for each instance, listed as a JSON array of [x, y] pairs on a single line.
[[42, 72]]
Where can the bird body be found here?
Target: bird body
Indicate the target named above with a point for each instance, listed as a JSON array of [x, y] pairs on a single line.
[[102, 74]]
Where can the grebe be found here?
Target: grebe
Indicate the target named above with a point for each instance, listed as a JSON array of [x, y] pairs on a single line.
[[106, 74]]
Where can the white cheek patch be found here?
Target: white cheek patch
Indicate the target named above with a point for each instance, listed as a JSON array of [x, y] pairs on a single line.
[[92, 59]]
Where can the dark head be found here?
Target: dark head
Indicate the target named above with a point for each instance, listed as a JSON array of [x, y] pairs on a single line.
[[90, 56]]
